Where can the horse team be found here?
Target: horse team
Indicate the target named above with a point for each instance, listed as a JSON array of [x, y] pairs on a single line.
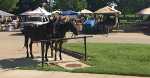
[[54, 29]]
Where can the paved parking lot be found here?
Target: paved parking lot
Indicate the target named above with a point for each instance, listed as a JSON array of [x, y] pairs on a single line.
[[11, 50]]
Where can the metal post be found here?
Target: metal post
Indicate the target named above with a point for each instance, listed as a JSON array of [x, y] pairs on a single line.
[[50, 4], [85, 49]]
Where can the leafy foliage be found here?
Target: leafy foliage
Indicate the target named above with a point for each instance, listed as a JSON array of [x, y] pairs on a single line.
[[8, 5], [24, 5], [71, 4], [125, 6]]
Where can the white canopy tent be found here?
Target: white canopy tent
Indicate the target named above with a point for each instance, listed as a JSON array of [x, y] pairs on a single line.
[[3, 13], [38, 16], [57, 11], [39, 11], [107, 10], [85, 11], [145, 11]]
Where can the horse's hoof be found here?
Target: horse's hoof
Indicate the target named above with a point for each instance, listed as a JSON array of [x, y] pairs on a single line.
[[51, 56], [61, 59], [46, 59], [32, 57], [27, 56]]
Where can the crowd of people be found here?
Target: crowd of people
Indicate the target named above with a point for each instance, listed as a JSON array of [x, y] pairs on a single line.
[[88, 23], [95, 24], [9, 23]]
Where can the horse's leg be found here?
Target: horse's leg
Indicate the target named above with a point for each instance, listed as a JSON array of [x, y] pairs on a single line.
[[56, 50], [30, 46], [26, 46], [42, 52], [118, 27], [103, 29], [46, 52], [108, 30], [60, 49], [52, 48], [27, 51]]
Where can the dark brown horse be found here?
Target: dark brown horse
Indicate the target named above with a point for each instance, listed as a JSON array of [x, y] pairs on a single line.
[[61, 26], [52, 30], [34, 34]]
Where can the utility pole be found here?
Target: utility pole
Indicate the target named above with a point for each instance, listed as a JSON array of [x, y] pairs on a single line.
[[49, 3]]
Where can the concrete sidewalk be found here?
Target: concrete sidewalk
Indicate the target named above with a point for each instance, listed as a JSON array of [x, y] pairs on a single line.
[[68, 62], [44, 74], [11, 51]]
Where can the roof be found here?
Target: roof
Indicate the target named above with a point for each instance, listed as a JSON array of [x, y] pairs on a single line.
[[107, 10], [69, 12], [85, 11], [3, 13], [38, 11], [57, 11], [145, 11]]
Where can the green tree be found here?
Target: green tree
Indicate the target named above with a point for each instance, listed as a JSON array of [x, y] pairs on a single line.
[[131, 6], [71, 4], [80, 4], [125, 6], [96, 4], [24, 5], [8, 5]]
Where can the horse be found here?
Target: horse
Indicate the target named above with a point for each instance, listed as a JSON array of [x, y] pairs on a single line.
[[53, 29], [61, 26], [34, 34]]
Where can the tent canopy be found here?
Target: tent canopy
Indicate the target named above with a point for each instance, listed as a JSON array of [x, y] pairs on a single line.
[[3, 13], [38, 11], [57, 11], [145, 11], [69, 12], [85, 11], [107, 10]]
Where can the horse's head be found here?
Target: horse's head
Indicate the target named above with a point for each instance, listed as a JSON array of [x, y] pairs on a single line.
[[71, 25], [64, 24], [79, 24]]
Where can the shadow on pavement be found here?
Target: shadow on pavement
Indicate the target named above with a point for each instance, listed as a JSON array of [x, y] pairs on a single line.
[[17, 34], [74, 54], [17, 63]]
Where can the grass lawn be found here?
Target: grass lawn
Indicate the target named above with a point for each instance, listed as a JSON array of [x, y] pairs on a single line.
[[124, 59], [105, 58]]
